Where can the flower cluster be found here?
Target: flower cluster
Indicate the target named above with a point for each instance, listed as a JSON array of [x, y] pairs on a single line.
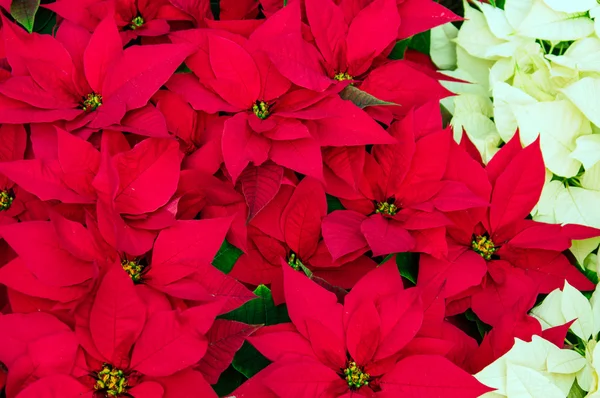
[[259, 199], [530, 66]]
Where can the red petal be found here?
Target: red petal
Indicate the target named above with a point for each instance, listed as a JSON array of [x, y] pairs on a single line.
[[430, 376], [166, 346], [148, 175], [104, 48], [225, 338], [236, 73], [367, 39], [342, 233], [420, 15], [260, 185], [363, 332], [518, 187], [301, 219], [187, 384], [386, 236], [117, 317]]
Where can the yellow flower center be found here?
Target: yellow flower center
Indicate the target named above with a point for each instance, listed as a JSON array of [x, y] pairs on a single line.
[[385, 208], [91, 102], [261, 109], [6, 199], [483, 246], [111, 381], [355, 377], [136, 22], [133, 269], [342, 76]]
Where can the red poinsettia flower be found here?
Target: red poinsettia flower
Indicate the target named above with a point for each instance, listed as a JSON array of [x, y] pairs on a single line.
[[498, 260], [272, 120], [349, 45], [355, 349], [133, 17], [286, 233], [45, 356], [93, 85], [401, 197]]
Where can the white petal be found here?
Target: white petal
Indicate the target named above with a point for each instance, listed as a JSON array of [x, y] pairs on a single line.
[[516, 11], [550, 310], [595, 303], [474, 35], [582, 248], [545, 207], [442, 49], [497, 21], [587, 150], [583, 55], [571, 6], [574, 305], [565, 362], [591, 178], [585, 95], [506, 98], [558, 123], [524, 382], [578, 206], [544, 23]]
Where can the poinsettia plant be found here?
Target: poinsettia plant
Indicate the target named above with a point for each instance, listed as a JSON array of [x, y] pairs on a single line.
[[263, 198]]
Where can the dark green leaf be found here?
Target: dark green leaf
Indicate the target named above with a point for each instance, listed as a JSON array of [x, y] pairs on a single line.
[[259, 311], [482, 327], [421, 42], [591, 275], [399, 49], [333, 204], [226, 257], [183, 68], [23, 11], [361, 98], [230, 380], [248, 361], [408, 265], [45, 20]]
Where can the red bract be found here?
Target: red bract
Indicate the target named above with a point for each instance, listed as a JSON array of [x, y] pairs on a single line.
[[498, 260], [402, 196], [287, 234], [90, 82], [359, 348], [133, 17]]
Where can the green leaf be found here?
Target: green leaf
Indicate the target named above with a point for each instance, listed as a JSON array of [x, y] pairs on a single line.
[[361, 98], [23, 11], [333, 204], [226, 257], [576, 391], [421, 42], [482, 327], [399, 49], [183, 68], [259, 311], [230, 380], [408, 265], [248, 361]]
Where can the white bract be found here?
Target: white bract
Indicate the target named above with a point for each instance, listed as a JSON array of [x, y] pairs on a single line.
[[533, 67], [536, 369]]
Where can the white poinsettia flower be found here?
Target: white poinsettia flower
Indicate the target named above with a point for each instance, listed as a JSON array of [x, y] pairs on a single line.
[[536, 369]]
